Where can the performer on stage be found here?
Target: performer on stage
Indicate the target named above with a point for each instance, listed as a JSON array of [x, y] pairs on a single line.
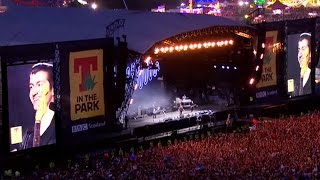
[[180, 109]]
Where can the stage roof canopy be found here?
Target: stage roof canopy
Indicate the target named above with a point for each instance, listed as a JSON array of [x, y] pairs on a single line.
[[28, 25]]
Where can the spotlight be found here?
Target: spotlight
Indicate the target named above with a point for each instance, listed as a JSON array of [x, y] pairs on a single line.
[[251, 81], [147, 60], [82, 2], [94, 6], [261, 56], [156, 51], [193, 46]]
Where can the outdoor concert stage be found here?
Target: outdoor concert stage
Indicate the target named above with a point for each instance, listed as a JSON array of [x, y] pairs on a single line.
[[174, 116], [101, 72], [219, 114]]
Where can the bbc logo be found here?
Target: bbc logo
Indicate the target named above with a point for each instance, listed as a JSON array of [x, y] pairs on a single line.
[[79, 128]]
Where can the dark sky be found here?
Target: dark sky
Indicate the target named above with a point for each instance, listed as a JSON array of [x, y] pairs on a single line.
[[149, 4], [141, 4], [119, 4]]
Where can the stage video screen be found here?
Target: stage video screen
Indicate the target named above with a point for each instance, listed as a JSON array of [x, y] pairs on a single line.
[[31, 108], [299, 64], [317, 76]]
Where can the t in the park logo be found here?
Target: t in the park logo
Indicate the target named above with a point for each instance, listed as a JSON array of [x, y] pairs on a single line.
[[268, 75], [86, 84]]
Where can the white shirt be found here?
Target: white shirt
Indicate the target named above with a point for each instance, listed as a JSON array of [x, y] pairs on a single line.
[[306, 76], [46, 121]]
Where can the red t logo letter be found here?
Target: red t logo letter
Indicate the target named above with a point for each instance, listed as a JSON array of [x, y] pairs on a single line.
[[84, 64]]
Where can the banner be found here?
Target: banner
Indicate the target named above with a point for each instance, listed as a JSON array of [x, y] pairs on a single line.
[[269, 68], [86, 84]]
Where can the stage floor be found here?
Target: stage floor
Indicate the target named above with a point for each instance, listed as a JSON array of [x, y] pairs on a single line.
[[147, 120]]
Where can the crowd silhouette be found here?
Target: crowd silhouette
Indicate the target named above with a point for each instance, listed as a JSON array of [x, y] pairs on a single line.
[[283, 148]]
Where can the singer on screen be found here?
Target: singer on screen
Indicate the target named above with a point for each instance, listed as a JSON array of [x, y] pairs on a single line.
[[41, 95], [304, 59]]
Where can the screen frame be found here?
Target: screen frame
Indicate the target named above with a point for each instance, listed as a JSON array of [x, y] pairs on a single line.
[[58, 53], [15, 56], [297, 35]]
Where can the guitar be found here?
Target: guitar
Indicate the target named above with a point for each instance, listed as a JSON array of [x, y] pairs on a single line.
[[42, 109]]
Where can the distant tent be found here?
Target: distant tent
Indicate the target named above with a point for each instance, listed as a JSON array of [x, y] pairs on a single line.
[[225, 3], [277, 5], [206, 1], [310, 4]]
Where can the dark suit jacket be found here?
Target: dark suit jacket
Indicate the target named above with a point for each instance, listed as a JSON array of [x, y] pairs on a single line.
[[306, 88], [47, 138]]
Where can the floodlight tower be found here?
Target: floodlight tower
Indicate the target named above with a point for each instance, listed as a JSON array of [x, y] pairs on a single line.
[[125, 4]]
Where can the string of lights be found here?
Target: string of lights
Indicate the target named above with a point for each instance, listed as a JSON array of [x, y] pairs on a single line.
[[192, 46]]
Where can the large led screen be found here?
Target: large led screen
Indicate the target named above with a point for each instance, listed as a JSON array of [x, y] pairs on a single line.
[[317, 75], [299, 64], [31, 108]]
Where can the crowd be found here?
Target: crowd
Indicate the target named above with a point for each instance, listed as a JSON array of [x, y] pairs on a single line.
[[269, 15], [284, 148]]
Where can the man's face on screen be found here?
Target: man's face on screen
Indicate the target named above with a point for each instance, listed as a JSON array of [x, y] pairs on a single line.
[[304, 55], [38, 81]]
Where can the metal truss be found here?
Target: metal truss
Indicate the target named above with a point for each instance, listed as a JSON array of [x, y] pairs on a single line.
[[129, 89], [57, 80], [115, 25]]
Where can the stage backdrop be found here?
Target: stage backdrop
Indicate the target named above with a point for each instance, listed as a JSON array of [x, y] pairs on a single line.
[[86, 84], [267, 86], [86, 89]]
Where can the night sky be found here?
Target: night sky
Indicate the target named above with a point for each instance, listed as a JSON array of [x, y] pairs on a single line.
[[150, 4], [140, 4], [119, 4]]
